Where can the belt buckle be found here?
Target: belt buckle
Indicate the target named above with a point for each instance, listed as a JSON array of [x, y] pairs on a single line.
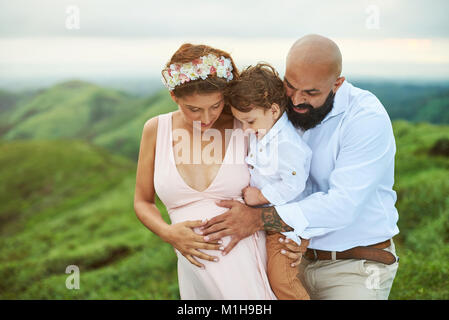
[[315, 255]]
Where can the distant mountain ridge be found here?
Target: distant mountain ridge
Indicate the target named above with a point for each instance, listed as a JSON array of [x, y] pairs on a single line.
[[411, 102], [69, 109], [81, 110], [114, 119]]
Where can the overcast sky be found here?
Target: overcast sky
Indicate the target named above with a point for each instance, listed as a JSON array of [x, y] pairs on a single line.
[[389, 39]]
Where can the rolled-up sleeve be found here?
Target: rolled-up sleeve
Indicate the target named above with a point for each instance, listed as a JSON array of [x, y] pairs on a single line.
[[367, 149]]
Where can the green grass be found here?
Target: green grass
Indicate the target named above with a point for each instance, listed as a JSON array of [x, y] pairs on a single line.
[[70, 202], [94, 227], [422, 184]]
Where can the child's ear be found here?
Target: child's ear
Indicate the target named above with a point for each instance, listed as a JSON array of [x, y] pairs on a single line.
[[275, 110]]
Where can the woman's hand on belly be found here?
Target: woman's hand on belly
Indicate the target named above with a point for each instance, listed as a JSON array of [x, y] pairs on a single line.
[[183, 238]]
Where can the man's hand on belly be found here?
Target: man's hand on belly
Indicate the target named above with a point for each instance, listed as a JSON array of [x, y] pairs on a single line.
[[241, 221]]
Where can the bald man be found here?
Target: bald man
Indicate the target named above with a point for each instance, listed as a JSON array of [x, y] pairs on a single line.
[[347, 217]]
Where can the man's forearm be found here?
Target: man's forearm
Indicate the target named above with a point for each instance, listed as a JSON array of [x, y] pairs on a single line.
[[272, 221]]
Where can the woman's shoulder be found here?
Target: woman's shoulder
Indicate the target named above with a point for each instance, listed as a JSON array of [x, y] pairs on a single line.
[[152, 124], [148, 142], [150, 130]]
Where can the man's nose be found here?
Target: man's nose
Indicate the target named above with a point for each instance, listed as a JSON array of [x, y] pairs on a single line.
[[298, 98]]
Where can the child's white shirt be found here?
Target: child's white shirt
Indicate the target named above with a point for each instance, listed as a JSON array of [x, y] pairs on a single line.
[[279, 164]]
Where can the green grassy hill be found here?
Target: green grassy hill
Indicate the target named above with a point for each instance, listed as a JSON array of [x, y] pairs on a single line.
[[70, 202], [113, 119], [122, 134], [71, 109], [422, 184], [9, 104], [77, 109]]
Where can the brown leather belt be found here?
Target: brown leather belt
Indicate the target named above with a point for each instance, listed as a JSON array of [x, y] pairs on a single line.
[[373, 252]]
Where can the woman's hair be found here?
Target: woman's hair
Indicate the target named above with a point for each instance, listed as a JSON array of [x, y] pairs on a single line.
[[258, 86], [189, 52]]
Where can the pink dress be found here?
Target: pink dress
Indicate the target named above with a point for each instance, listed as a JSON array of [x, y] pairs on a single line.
[[241, 274]]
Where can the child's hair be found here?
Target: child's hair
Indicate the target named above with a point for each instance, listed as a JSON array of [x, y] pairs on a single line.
[[258, 86]]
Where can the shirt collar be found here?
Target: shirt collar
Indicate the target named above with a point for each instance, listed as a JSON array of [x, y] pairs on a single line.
[[280, 123], [340, 101]]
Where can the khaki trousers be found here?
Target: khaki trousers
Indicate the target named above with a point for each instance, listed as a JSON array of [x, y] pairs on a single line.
[[284, 280], [350, 279]]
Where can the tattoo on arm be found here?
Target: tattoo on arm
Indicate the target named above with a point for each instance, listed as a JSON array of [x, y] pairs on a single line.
[[272, 221]]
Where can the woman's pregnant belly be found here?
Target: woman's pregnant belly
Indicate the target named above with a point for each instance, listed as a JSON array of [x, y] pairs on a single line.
[[199, 210], [207, 208]]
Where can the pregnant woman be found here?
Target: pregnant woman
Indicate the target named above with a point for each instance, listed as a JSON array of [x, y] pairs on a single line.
[[188, 177]]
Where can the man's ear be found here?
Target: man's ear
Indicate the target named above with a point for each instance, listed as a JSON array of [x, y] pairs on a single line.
[[275, 110], [338, 83]]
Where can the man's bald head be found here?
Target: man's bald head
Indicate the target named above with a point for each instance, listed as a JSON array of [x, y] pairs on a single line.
[[315, 51], [312, 79]]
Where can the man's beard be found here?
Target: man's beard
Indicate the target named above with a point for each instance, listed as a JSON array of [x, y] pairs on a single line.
[[311, 118]]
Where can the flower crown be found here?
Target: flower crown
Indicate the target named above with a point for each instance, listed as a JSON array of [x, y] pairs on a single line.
[[179, 73]]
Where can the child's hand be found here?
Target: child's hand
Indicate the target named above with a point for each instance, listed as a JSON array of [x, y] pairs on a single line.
[[294, 251], [253, 196]]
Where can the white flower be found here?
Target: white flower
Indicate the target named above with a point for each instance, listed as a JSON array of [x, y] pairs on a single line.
[[180, 73], [209, 60], [221, 71], [193, 75], [227, 63], [202, 72], [186, 68]]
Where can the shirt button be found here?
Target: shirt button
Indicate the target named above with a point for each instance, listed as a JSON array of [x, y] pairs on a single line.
[[260, 150], [251, 155], [293, 172]]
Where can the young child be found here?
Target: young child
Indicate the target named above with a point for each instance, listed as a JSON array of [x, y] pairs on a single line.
[[278, 159]]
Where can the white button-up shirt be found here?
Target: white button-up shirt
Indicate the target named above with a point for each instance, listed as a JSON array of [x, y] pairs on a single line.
[[349, 200], [279, 164]]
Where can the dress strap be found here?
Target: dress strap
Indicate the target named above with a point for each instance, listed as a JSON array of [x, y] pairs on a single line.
[[163, 139]]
